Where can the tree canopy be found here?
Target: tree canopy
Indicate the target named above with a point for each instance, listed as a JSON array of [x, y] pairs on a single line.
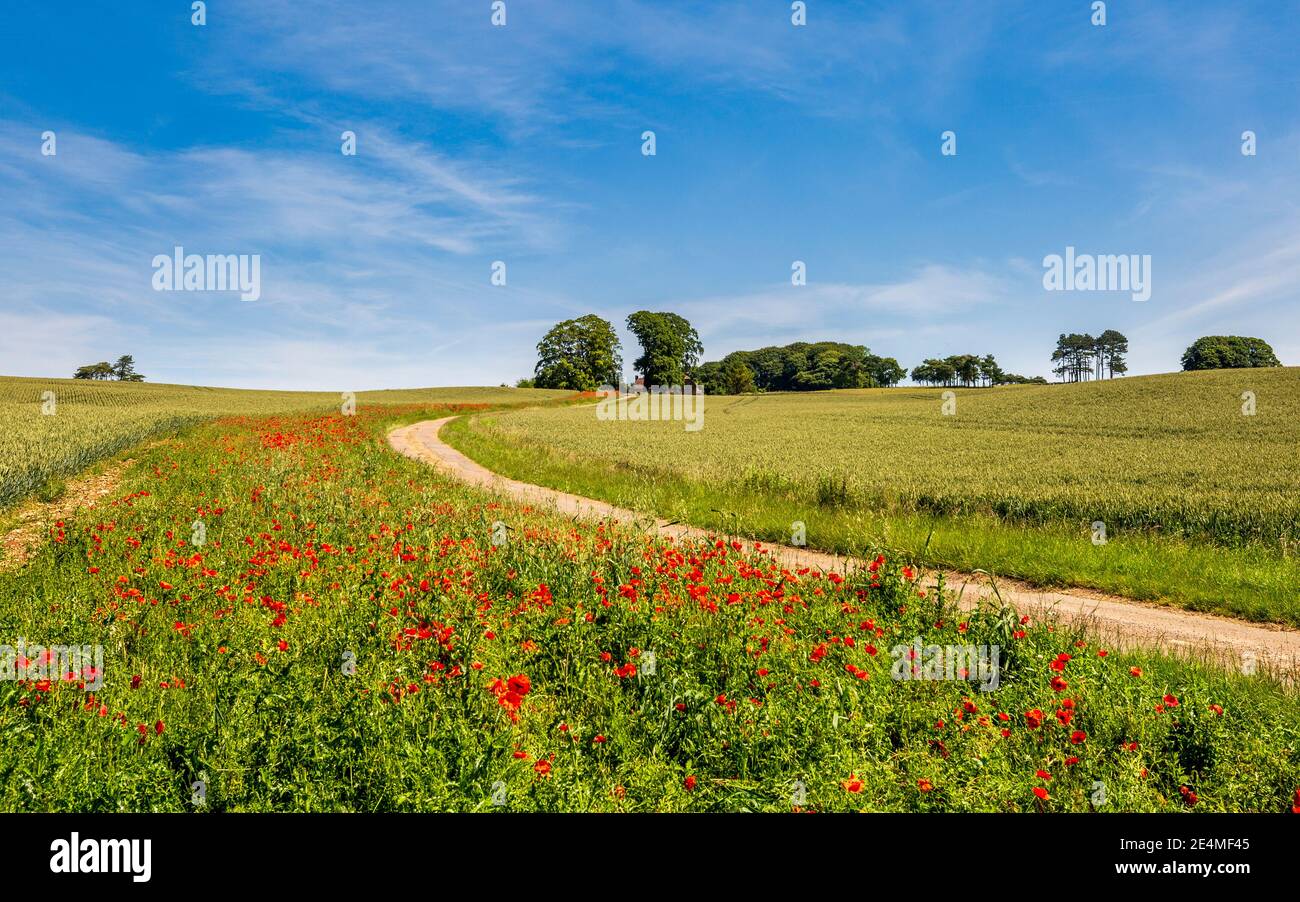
[[1222, 352], [670, 347], [123, 370], [579, 355], [802, 366], [967, 370]]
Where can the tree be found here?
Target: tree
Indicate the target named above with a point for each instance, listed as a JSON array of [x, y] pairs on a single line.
[[990, 372], [737, 379], [579, 355], [1074, 357], [100, 371], [1217, 352], [935, 372], [124, 369], [1110, 348], [885, 371], [670, 347]]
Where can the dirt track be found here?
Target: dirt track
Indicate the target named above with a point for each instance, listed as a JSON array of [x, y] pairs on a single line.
[[1122, 621]]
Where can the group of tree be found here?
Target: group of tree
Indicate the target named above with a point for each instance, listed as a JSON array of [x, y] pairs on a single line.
[[583, 354], [122, 371], [1080, 357], [802, 366], [1221, 352], [968, 370]]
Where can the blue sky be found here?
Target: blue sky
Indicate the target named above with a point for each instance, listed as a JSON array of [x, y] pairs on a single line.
[[522, 143]]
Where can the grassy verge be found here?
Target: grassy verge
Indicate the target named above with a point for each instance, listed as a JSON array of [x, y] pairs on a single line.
[[1253, 582]]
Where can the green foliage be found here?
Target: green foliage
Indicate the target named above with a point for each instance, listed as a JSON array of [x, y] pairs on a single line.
[[670, 347], [579, 355], [122, 371], [805, 366], [1079, 357], [1220, 352]]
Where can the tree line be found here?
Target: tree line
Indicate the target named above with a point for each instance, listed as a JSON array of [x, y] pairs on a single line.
[[968, 370], [584, 354], [122, 371]]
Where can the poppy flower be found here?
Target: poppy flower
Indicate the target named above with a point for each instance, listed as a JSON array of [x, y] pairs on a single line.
[[853, 784], [1041, 793], [689, 783]]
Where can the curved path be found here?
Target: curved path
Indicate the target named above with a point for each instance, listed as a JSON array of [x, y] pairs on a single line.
[[1127, 623]]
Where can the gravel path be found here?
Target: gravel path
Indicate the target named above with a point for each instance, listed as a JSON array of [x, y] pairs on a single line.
[[1124, 622]]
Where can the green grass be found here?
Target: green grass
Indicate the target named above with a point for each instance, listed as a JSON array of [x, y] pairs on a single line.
[[319, 537], [1200, 502]]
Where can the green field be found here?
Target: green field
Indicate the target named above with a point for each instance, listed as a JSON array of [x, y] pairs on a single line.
[[346, 635], [1201, 502], [89, 421]]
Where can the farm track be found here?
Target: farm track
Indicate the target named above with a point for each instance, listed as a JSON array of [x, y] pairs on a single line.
[[1125, 622]]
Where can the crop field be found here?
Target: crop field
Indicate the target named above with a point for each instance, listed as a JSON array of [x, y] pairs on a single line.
[[1200, 500], [293, 617], [51, 428]]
